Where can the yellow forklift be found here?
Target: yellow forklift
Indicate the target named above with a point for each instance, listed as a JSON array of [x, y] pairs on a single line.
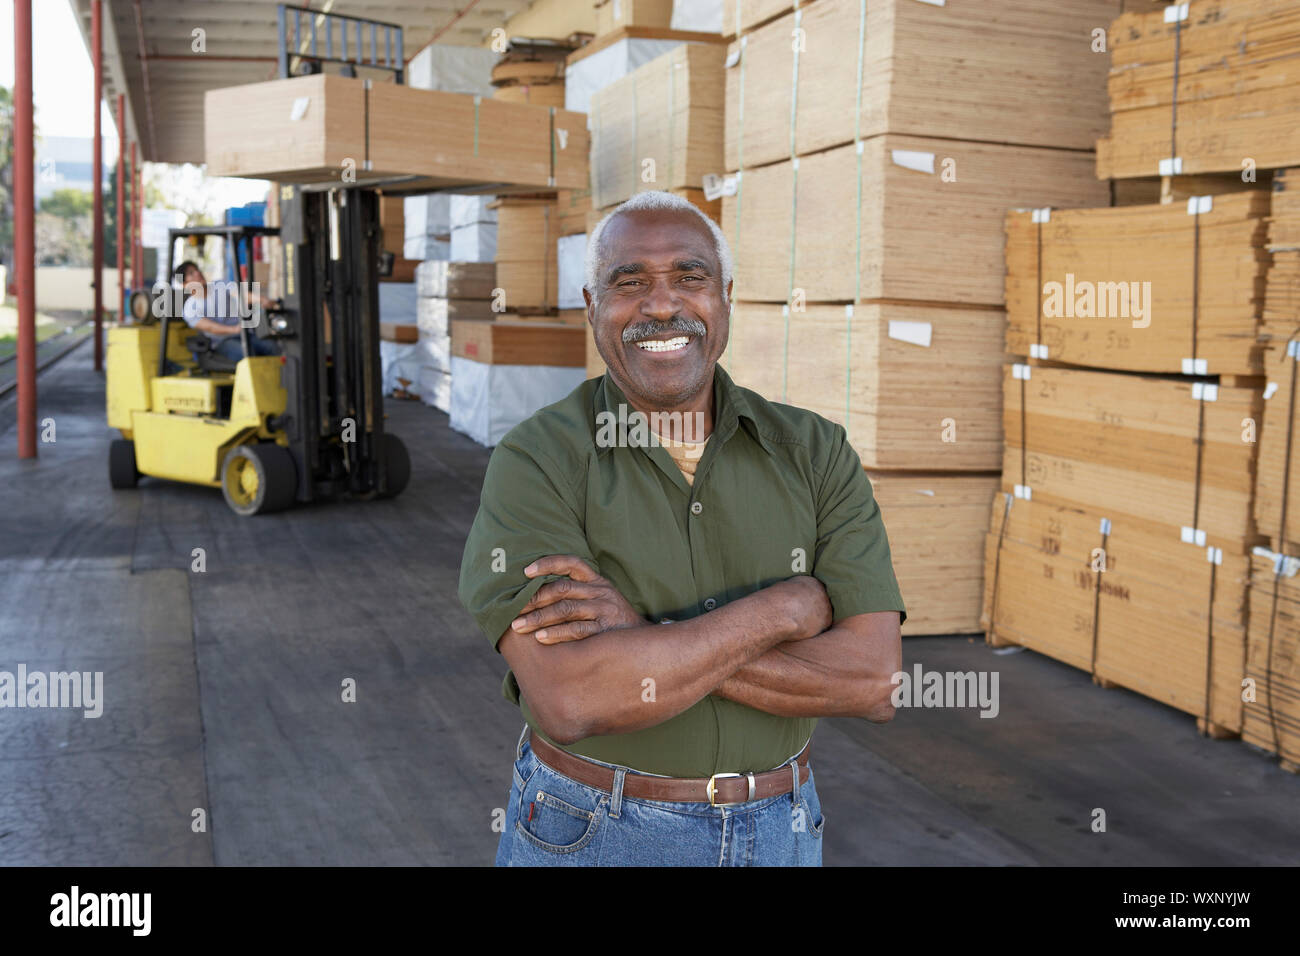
[[268, 431]]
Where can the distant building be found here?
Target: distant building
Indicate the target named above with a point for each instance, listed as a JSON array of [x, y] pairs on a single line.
[[64, 162]]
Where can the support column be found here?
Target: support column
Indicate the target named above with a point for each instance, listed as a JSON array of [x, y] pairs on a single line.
[[121, 201], [97, 175], [24, 228]]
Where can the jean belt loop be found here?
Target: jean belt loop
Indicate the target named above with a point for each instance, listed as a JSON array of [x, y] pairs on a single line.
[[519, 747], [794, 767], [616, 804]]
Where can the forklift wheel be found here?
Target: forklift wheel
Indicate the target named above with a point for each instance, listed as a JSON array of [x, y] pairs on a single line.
[[121, 464], [396, 462], [257, 479]]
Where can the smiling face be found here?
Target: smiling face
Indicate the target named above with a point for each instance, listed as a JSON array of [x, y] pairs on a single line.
[[660, 313]]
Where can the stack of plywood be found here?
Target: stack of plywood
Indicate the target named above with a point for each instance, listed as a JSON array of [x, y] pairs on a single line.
[[527, 230], [659, 127], [448, 292], [1272, 707], [531, 73], [1141, 288], [873, 150], [1122, 598], [392, 229], [614, 15], [1206, 86], [333, 128]]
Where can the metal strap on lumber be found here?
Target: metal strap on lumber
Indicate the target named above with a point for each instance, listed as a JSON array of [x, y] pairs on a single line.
[[740, 157], [1096, 594], [1008, 500], [1023, 372], [1215, 557], [794, 203], [1037, 349], [857, 228], [1176, 14]]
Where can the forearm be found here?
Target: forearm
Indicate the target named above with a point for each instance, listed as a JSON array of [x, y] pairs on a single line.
[[215, 328], [832, 675], [598, 686]]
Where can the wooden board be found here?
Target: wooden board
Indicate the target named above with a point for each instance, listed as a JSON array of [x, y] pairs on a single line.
[[1021, 72], [659, 127], [389, 130], [613, 14], [399, 332], [903, 404], [526, 265], [923, 235], [1127, 446], [595, 364], [1272, 719], [534, 94], [571, 208], [1133, 605], [521, 343], [1140, 288], [456, 280], [936, 525], [1235, 97]]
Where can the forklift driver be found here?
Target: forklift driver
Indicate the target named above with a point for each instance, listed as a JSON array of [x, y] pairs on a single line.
[[205, 312]]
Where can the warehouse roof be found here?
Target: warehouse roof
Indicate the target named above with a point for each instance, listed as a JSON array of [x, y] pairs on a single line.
[[150, 56]]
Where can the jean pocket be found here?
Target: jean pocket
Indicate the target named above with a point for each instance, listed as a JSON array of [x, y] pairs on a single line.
[[555, 825]]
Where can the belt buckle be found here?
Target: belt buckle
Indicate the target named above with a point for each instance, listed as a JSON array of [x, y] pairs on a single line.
[[712, 790]]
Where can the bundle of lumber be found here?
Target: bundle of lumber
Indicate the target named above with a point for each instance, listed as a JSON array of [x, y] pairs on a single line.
[[1176, 452], [571, 209], [915, 386], [392, 238], [1021, 72], [1207, 86], [742, 16], [325, 128], [1281, 317], [904, 218], [518, 343], [659, 127], [1272, 715], [456, 280], [531, 72], [936, 525], [613, 15], [527, 230], [1123, 599], [1165, 288]]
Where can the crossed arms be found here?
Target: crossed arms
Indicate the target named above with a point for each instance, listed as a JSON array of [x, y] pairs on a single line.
[[580, 653]]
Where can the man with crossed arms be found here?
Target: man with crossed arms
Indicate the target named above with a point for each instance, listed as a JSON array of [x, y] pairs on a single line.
[[677, 613]]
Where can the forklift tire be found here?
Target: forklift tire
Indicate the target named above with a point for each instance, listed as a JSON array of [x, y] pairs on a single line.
[[397, 463], [258, 479], [121, 464]]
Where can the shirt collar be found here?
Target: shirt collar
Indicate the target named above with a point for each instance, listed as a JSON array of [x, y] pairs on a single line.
[[731, 407]]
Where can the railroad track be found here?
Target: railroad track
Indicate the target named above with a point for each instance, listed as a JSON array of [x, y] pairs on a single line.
[[47, 353]]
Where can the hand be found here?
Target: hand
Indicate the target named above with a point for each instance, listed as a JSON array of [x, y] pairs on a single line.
[[804, 599], [574, 607]]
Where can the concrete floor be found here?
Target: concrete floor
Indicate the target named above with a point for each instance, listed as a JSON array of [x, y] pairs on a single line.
[[223, 693]]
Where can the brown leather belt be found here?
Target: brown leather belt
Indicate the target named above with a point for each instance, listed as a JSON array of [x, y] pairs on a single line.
[[722, 789]]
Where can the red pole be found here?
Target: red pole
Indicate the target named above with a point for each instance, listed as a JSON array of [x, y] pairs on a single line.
[[139, 220], [121, 196], [97, 174], [135, 201], [24, 229]]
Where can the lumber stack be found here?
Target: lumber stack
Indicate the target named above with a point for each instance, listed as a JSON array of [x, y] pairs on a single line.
[[324, 128], [448, 292], [1141, 288], [872, 151], [392, 238], [1203, 87], [613, 15], [1272, 714], [1122, 598], [527, 230], [659, 127], [531, 73]]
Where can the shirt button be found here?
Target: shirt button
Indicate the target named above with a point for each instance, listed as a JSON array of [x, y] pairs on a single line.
[[696, 507], [710, 604]]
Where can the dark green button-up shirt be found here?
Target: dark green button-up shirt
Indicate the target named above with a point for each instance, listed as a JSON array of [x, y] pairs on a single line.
[[778, 492]]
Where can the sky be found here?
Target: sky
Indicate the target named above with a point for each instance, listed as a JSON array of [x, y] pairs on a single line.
[[63, 88]]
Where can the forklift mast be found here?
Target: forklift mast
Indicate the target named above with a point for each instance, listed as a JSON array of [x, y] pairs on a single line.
[[329, 332]]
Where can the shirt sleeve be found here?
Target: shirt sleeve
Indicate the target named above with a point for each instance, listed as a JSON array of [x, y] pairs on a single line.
[[192, 311], [852, 559], [523, 515]]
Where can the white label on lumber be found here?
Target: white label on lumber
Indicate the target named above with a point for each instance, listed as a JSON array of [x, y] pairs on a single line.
[[1020, 371], [1199, 204], [1038, 351], [914, 159], [1176, 12], [732, 58], [1025, 492], [925, 491], [1293, 349], [1171, 167], [1193, 536], [299, 108], [1270, 390], [563, 136], [1105, 526], [1290, 565], [935, 3], [1214, 555], [918, 333], [1202, 391], [1042, 215], [848, 311], [1193, 366]]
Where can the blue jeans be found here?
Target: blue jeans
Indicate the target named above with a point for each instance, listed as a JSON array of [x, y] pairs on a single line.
[[552, 820], [233, 349]]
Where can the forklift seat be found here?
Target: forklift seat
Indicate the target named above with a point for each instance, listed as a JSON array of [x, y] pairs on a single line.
[[208, 360]]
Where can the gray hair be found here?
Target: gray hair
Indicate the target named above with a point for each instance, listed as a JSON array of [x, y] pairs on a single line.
[[656, 199]]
